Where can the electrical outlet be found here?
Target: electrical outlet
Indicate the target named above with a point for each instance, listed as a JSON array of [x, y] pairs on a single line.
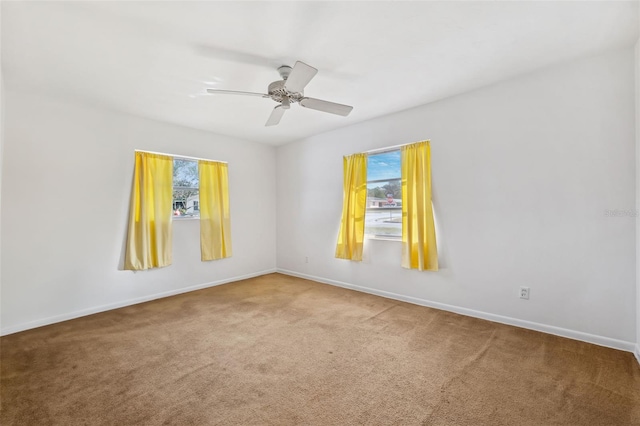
[[306, 259], [524, 293]]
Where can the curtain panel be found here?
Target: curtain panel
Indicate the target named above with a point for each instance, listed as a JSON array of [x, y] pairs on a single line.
[[418, 230], [351, 234], [215, 221], [149, 236]]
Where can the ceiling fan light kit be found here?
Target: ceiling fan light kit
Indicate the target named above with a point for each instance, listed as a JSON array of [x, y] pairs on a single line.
[[290, 90]]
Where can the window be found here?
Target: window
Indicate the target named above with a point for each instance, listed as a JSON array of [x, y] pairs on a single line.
[[185, 188], [384, 195]]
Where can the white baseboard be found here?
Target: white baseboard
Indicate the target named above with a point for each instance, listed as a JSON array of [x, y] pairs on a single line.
[[558, 331], [636, 352], [89, 311]]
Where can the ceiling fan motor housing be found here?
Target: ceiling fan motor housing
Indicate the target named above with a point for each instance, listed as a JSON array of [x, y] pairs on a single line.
[[277, 92]]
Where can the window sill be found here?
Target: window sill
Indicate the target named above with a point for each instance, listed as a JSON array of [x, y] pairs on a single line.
[[382, 238], [185, 218]]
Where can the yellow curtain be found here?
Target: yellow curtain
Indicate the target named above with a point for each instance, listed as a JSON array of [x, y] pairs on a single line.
[[418, 230], [351, 236], [215, 221], [149, 234]]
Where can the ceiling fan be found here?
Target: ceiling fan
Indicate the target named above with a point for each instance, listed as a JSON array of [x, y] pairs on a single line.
[[290, 90]]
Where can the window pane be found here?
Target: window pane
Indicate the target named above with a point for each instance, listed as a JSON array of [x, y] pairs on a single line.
[[185, 173], [384, 195], [384, 208], [185, 202], [185, 188], [383, 166]]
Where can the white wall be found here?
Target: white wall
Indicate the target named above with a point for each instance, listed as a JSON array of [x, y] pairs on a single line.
[[523, 172], [65, 195], [1, 154], [637, 78]]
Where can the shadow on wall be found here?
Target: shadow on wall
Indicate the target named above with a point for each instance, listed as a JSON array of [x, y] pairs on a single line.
[[125, 229], [443, 258]]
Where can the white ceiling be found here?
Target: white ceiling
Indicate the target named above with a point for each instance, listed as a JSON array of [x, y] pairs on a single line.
[[155, 59]]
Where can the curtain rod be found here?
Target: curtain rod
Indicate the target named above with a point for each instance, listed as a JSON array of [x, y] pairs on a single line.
[[390, 148], [184, 157], [386, 149]]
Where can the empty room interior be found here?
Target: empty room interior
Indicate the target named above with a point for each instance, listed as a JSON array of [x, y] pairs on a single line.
[[328, 213]]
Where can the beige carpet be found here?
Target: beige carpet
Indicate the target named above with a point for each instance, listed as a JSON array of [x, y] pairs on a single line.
[[277, 350]]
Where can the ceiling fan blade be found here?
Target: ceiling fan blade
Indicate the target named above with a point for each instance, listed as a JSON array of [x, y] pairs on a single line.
[[300, 76], [325, 106], [275, 116], [235, 92]]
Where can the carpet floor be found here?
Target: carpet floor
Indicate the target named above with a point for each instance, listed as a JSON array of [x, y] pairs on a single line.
[[278, 350]]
